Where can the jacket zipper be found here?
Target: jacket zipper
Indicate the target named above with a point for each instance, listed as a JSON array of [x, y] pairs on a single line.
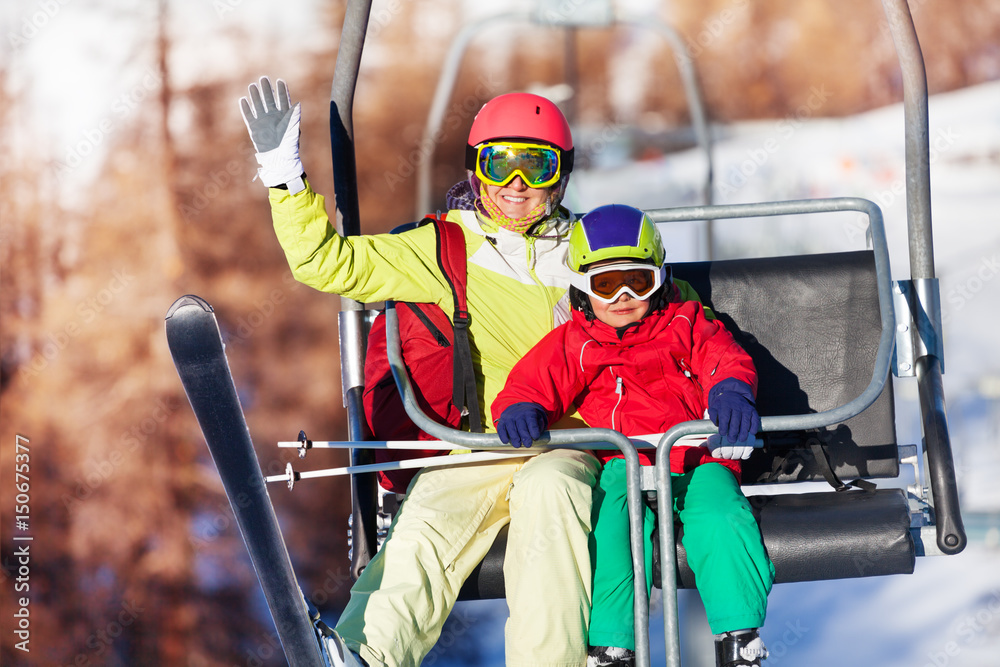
[[619, 389], [531, 259], [529, 252]]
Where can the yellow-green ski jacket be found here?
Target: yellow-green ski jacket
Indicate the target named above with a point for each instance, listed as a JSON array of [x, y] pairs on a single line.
[[517, 284]]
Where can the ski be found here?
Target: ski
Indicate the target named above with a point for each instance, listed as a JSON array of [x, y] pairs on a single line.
[[198, 352]]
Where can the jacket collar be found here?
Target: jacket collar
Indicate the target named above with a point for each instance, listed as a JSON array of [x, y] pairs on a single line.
[[634, 334], [462, 197]]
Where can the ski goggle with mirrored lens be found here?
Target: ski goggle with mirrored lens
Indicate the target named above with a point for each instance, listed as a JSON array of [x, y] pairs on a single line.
[[607, 283], [498, 162]]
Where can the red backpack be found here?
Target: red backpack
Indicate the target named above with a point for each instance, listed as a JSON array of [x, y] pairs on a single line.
[[430, 342]]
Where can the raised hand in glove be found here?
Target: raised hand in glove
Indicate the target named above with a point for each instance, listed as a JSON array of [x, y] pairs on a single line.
[[274, 129], [522, 423], [731, 407]]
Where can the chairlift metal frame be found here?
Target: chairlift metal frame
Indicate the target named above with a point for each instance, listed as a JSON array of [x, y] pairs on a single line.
[[916, 300], [915, 350], [601, 17]]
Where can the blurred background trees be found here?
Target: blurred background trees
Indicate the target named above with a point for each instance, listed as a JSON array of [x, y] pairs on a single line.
[[136, 559]]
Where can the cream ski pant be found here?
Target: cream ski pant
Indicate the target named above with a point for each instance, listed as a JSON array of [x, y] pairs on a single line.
[[442, 531]]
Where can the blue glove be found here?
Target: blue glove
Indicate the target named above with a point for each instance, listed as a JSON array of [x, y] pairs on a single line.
[[522, 423], [731, 407]]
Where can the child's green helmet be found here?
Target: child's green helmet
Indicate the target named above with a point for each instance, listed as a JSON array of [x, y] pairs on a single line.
[[615, 231]]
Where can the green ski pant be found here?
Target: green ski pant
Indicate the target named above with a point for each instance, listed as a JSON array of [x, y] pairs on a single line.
[[724, 549]]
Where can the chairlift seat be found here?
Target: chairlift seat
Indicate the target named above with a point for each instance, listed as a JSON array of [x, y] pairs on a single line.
[[811, 324]]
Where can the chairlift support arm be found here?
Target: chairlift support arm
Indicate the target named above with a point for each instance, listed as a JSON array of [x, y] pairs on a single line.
[[926, 311], [351, 320], [449, 75]]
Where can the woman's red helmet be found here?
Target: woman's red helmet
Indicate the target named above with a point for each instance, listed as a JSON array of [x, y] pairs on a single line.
[[522, 116]]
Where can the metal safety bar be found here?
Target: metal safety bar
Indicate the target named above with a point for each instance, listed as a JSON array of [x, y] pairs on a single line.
[[950, 531], [589, 438], [880, 374], [880, 248]]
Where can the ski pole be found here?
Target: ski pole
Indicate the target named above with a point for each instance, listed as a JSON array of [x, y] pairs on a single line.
[[291, 476], [303, 443]]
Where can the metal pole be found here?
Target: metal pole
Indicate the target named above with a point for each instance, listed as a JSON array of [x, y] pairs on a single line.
[[696, 109], [439, 103], [918, 178], [345, 79], [926, 305], [951, 538], [351, 320]]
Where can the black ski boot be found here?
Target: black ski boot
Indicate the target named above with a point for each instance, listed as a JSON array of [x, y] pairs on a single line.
[[740, 649]]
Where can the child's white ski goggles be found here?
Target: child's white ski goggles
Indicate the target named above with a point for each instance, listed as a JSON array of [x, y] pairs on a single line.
[[607, 283]]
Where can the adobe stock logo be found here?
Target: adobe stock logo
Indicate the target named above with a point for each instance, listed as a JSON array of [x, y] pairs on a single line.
[[968, 289]]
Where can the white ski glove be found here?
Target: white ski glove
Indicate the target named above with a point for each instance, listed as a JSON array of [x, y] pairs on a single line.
[[274, 130], [722, 448]]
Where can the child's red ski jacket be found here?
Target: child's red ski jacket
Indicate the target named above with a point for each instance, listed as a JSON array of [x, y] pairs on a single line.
[[640, 380]]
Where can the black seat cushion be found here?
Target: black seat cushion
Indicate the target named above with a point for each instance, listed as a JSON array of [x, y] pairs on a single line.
[[830, 535], [812, 325], [808, 536]]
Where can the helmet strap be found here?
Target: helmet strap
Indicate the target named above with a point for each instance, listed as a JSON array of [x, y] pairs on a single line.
[[578, 300]]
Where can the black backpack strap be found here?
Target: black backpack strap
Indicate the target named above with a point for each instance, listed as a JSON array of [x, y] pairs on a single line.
[[823, 461], [452, 260], [439, 335]]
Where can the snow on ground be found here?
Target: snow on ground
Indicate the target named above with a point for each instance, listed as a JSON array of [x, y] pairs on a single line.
[[948, 612]]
